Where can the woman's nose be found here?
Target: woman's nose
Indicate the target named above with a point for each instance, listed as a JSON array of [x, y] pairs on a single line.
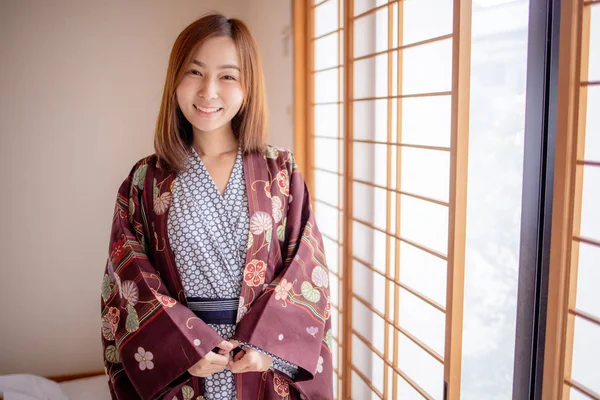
[[208, 89]]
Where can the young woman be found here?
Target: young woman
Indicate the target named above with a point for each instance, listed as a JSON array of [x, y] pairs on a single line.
[[216, 285]]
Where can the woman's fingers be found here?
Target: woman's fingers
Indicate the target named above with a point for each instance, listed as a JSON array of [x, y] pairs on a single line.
[[217, 359], [243, 364], [239, 355]]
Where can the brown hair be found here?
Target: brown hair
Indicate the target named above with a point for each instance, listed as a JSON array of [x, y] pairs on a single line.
[[174, 136]]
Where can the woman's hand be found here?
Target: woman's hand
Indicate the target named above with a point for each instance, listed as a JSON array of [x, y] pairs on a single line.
[[249, 360], [213, 362]]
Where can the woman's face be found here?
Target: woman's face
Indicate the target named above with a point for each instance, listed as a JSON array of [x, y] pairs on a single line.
[[210, 93]]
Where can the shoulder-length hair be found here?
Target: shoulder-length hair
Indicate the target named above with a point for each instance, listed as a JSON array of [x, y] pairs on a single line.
[[174, 135]]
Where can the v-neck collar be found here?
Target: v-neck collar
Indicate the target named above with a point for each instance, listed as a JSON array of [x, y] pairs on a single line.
[[237, 164]]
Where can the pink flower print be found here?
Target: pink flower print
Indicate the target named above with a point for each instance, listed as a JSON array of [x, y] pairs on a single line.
[[117, 250], [312, 330], [166, 301], [260, 222], [242, 310], [268, 189], [108, 329], [281, 386], [320, 365], [283, 182], [255, 273], [162, 203], [328, 309], [277, 209], [281, 290], [112, 315], [144, 358]]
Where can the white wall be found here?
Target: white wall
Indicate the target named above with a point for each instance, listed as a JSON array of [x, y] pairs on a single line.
[[80, 86], [268, 20]]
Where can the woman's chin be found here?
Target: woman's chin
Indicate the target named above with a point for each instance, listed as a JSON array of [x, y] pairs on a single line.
[[208, 128]]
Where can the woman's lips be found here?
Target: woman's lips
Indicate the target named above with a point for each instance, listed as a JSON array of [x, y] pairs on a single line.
[[207, 111]]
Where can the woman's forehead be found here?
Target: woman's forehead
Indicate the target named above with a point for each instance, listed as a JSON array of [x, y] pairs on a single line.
[[217, 52]]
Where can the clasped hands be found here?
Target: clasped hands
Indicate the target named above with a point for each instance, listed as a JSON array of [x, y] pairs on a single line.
[[247, 360]]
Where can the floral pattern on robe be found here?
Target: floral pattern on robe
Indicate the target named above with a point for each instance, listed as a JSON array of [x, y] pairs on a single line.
[[149, 335]]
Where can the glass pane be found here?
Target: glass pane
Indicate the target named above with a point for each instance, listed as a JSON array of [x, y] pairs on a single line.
[[368, 324], [577, 395], [418, 126], [588, 277], [426, 172], [368, 363], [371, 33], [425, 370], [326, 187], [405, 390], [327, 218], [586, 354], [334, 286], [394, 56], [326, 120], [370, 120], [369, 245], [326, 17], [326, 86], [370, 77], [423, 321], [590, 203], [427, 68], [424, 223], [423, 272], [426, 19], [497, 119], [335, 385], [592, 125], [394, 129], [331, 254], [371, 287], [326, 155], [361, 6], [594, 49], [395, 27], [360, 390], [334, 357], [326, 52], [335, 326], [370, 163], [375, 198]]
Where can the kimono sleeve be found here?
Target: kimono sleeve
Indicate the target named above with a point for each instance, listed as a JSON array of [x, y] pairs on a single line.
[[149, 339], [290, 319]]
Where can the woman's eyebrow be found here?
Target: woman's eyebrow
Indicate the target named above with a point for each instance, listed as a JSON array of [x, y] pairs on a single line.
[[226, 66]]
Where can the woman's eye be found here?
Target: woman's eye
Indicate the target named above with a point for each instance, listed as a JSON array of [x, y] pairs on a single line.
[[194, 72], [229, 78]]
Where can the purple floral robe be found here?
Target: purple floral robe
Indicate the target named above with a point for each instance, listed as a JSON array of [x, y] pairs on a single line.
[[151, 338]]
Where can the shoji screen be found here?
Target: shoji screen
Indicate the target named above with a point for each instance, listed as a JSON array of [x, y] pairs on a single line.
[[573, 346], [389, 100], [326, 176]]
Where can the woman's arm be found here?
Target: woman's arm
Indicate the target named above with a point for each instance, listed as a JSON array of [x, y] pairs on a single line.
[[290, 318], [150, 340]]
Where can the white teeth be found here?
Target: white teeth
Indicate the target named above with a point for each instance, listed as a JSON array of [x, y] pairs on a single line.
[[207, 110]]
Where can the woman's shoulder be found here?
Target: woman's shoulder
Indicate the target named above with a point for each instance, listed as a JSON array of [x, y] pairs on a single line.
[[150, 165], [150, 161], [280, 157]]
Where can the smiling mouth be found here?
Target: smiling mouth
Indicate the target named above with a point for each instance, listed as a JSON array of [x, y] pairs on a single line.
[[208, 110]]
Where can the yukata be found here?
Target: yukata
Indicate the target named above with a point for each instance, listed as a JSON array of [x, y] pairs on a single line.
[[153, 297], [208, 233]]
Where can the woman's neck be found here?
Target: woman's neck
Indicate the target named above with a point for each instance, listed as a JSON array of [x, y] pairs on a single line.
[[215, 143]]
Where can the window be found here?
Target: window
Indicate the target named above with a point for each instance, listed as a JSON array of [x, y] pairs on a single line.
[[430, 185], [573, 330]]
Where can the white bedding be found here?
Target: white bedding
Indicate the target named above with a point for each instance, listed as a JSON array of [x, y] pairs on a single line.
[[89, 388], [33, 387]]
